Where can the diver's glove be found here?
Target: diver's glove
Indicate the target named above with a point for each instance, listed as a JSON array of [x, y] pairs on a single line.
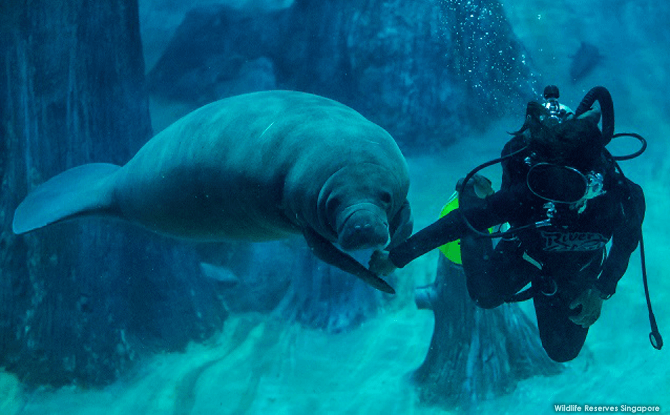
[[591, 301], [380, 263]]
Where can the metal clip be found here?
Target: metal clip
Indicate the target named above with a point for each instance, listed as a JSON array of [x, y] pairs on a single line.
[[543, 223], [551, 209]]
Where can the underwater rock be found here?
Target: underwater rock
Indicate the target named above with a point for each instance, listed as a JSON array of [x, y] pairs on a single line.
[[584, 61], [426, 71], [218, 51]]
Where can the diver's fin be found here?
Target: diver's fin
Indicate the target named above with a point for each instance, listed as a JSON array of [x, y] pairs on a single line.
[[76, 192]]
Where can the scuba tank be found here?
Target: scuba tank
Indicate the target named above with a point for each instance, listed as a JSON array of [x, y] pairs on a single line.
[[573, 188]]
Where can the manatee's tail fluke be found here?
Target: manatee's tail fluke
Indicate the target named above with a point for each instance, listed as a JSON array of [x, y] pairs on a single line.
[[83, 190]]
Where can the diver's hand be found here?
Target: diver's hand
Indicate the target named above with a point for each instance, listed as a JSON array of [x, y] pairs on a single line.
[[380, 264], [591, 302]]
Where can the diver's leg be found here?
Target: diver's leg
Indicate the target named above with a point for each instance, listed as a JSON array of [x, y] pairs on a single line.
[[561, 338], [494, 275]]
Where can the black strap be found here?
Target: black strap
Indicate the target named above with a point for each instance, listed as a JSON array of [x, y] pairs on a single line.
[[655, 336]]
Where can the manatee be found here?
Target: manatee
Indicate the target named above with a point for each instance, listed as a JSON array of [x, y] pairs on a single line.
[[584, 61], [255, 167]]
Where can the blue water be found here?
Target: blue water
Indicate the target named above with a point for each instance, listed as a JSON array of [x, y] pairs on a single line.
[[283, 368]]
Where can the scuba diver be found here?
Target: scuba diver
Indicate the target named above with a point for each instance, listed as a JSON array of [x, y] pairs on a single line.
[[564, 198]]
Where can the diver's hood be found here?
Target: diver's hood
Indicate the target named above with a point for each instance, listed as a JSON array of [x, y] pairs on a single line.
[[571, 141]]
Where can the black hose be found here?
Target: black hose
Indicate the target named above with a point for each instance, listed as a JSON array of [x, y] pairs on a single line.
[[643, 143], [654, 336], [467, 179], [602, 95]]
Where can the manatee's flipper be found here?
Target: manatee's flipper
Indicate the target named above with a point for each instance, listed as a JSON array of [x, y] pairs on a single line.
[[401, 226], [83, 190], [328, 253]]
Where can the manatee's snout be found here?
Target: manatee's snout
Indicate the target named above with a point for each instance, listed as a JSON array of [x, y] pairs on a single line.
[[361, 227]]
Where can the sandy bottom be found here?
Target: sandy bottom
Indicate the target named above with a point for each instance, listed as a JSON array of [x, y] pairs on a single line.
[[259, 365]]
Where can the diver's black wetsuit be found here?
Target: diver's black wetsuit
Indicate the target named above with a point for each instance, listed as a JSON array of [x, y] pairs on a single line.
[[571, 252]]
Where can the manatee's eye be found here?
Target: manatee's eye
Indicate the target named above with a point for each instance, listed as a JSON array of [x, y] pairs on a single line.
[[386, 198], [332, 203]]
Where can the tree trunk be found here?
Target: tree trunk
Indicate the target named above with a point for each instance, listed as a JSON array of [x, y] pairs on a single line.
[[322, 296], [78, 300], [475, 354]]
